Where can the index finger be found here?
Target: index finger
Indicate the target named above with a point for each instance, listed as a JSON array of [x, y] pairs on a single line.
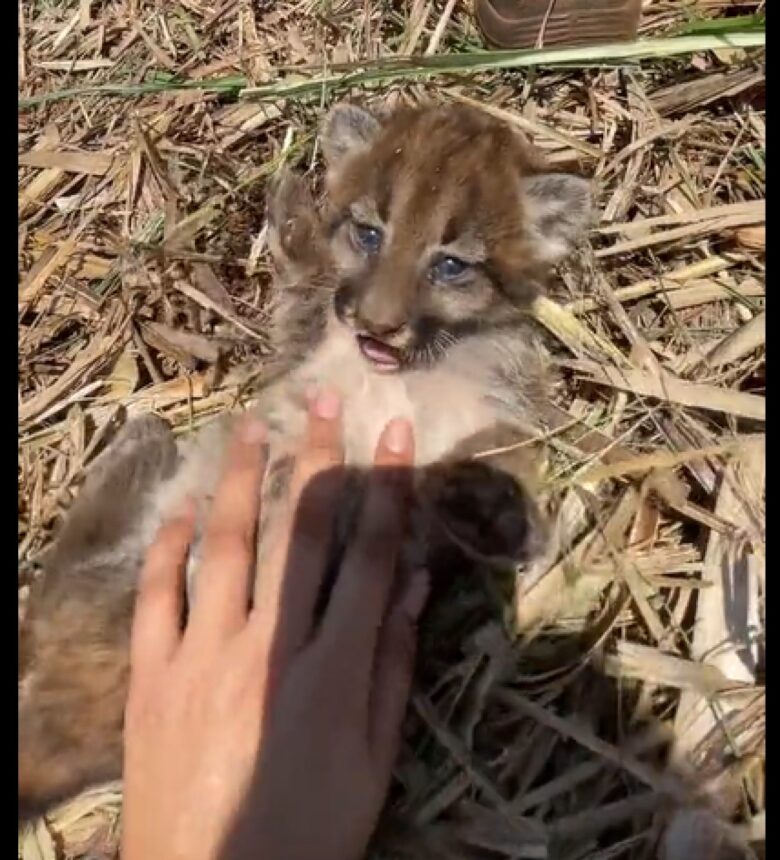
[[362, 591], [222, 594], [156, 630]]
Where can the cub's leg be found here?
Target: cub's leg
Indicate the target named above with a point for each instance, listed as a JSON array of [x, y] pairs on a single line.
[[73, 667]]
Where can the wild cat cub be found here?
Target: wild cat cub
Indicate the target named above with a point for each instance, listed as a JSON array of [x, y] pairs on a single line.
[[407, 292]]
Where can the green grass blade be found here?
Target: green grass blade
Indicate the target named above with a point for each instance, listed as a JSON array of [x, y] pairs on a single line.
[[156, 84], [740, 24], [400, 68], [420, 67]]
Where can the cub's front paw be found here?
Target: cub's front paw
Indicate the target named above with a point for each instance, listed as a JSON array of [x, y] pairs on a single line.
[[485, 511]]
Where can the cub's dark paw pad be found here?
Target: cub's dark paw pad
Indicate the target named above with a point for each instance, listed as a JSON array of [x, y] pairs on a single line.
[[485, 510]]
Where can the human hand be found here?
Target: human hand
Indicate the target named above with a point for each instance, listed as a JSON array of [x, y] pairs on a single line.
[[249, 734]]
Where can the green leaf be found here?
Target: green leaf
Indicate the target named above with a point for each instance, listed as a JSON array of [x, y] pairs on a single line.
[[740, 24], [298, 86]]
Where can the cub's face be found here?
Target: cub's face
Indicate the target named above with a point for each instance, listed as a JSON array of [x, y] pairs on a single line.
[[439, 223]]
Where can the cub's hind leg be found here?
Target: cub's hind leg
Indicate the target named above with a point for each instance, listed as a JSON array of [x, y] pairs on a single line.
[[75, 639], [115, 496], [72, 695]]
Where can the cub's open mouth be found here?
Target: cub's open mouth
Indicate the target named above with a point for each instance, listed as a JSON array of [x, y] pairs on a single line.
[[382, 356]]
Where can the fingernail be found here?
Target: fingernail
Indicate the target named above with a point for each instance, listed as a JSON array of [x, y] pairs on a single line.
[[327, 405], [253, 431], [416, 594], [398, 436]]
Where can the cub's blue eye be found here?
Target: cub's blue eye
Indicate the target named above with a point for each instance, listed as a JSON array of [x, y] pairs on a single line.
[[449, 268], [368, 238]]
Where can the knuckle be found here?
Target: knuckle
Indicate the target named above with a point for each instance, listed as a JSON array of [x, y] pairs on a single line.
[[242, 470], [228, 543], [307, 542], [245, 461], [153, 593], [381, 522], [317, 496], [315, 463], [177, 529], [324, 432], [170, 542]]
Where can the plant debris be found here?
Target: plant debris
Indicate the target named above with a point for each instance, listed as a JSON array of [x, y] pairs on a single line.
[[607, 702]]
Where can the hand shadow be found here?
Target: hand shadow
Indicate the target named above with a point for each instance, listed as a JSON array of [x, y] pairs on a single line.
[[516, 743], [519, 744]]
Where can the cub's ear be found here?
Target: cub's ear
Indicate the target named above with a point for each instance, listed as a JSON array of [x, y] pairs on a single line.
[[558, 209], [294, 226], [346, 130]]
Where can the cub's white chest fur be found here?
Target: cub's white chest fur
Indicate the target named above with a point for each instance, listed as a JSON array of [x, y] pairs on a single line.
[[461, 395], [446, 403], [464, 393]]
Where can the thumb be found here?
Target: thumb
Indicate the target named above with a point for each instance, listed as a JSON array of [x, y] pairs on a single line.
[[393, 670]]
